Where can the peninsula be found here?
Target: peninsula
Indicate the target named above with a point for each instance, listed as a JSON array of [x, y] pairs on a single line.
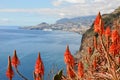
[[77, 24]]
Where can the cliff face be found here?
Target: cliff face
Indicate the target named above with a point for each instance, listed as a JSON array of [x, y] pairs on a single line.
[[87, 39]]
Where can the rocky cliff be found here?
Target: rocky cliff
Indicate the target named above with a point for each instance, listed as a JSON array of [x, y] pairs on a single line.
[[87, 39]]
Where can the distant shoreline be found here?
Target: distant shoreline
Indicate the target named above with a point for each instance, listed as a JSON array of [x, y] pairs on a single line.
[[76, 30]]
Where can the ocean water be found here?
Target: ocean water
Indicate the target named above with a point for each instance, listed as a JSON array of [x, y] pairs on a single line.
[[51, 45]]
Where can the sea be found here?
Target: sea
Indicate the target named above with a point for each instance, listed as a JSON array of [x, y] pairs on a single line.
[[27, 43]]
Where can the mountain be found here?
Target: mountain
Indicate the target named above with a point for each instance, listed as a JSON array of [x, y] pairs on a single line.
[[84, 20], [87, 38], [77, 24], [62, 21], [37, 27]]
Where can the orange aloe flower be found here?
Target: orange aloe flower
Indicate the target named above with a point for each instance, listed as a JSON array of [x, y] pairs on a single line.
[[39, 66], [15, 60], [80, 69], [98, 24], [114, 36], [114, 49], [119, 60], [89, 50], [107, 32], [101, 25], [70, 72], [37, 78], [95, 42], [9, 72], [118, 44], [68, 58], [95, 63]]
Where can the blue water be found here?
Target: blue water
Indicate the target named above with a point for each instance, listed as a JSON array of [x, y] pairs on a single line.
[[28, 43]]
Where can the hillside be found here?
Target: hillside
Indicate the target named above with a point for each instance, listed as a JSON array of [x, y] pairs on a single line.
[[77, 24], [84, 20], [87, 38]]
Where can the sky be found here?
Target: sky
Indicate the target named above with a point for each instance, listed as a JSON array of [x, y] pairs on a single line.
[[33, 12]]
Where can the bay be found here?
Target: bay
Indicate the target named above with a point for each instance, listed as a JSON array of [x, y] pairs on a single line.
[[51, 45]]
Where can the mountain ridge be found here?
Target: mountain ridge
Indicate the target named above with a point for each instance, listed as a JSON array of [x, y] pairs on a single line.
[[87, 38], [76, 19], [76, 24]]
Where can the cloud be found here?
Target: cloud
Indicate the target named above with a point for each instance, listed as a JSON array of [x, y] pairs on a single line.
[[86, 7], [90, 8], [75, 1], [60, 2], [57, 3], [62, 15], [82, 8], [99, 0], [4, 20], [24, 10]]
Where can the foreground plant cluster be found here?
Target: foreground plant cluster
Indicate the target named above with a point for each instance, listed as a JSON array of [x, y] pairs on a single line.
[[101, 63]]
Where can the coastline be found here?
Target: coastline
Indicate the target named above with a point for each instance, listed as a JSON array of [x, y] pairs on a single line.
[[76, 30]]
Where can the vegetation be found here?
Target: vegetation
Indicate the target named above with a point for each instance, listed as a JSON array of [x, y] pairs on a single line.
[[102, 61]]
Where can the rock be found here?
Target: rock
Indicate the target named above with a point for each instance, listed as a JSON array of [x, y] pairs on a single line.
[[87, 38]]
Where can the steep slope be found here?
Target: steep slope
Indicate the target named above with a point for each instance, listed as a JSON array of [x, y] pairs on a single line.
[[87, 39]]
